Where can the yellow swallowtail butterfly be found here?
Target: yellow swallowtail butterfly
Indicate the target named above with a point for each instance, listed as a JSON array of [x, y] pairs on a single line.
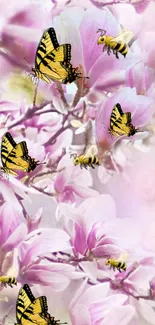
[[31, 310], [120, 123], [8, 280], [52, 60], [15, 156]]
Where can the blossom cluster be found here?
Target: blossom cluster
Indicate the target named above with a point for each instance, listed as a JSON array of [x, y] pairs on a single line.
[[59, 224]]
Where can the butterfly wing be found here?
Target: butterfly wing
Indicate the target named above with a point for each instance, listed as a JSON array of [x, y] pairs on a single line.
[[7, 145], [18, 158], [53, 70], [50, 55], [15, 156], [116, 114], [25, 298], [30, 310], [53, 61], [49, 48], [120, 123]]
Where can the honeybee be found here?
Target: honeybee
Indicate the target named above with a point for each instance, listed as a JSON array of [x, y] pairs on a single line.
[[86, 160], [117, 44], [89, 157], [8, 280], [119, 264]]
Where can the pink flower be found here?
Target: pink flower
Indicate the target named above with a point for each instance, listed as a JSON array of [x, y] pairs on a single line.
[[88, 227], [12, 232], [97, 307], [72, 182], [139, 106], [141, 77], [33, 223], [33, 266]]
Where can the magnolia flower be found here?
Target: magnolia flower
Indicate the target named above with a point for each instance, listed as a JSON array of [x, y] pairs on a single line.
[[35, 268], [72, 182], [90, 223], [97, 306]]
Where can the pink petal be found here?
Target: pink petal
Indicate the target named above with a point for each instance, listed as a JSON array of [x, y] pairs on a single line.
[[82, 317], [80, 239], [57, 282], [15, 238], [119, 315], [89, 27]]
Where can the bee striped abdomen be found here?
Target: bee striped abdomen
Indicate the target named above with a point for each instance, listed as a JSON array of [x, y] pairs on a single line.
[[123, 50], [8, 281]]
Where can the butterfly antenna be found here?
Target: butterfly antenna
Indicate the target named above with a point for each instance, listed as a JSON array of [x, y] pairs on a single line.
[[40, 163]]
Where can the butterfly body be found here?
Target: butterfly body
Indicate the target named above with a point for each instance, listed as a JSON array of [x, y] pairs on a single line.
[[52, 61], [121, 123], [15, 156], [31, 310]]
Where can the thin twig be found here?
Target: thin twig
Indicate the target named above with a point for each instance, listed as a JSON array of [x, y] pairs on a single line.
[[52, 140], [27, 115], [35, 92], [42, 191], [61, 92]]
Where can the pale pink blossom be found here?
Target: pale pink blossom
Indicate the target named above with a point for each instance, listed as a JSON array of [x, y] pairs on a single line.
[[97, 307], [88, 227], [72, 182]]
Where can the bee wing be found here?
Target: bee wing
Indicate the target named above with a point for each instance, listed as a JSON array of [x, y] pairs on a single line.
[[91, 150], [123, 257], [75, 150], [76, 124], [91, 147], [124, 36]]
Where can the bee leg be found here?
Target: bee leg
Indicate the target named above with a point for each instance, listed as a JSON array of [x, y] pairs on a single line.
[[108, 50], [116, 54], [92, 166], [81, 166], [104, 48]]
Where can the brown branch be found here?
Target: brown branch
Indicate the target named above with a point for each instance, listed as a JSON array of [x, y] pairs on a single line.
[[42, 191], [54, 137]]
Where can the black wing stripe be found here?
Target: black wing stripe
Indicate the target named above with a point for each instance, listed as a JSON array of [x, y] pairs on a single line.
[[8, 160], [41, 49], [10, 139], [53, 37], [119, 109]]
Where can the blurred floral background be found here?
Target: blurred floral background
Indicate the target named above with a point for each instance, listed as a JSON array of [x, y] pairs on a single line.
[[60, 223]]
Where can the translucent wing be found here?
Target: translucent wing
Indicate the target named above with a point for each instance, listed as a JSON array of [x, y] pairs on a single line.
[[123, 257], [124, 36], [90, 142]]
